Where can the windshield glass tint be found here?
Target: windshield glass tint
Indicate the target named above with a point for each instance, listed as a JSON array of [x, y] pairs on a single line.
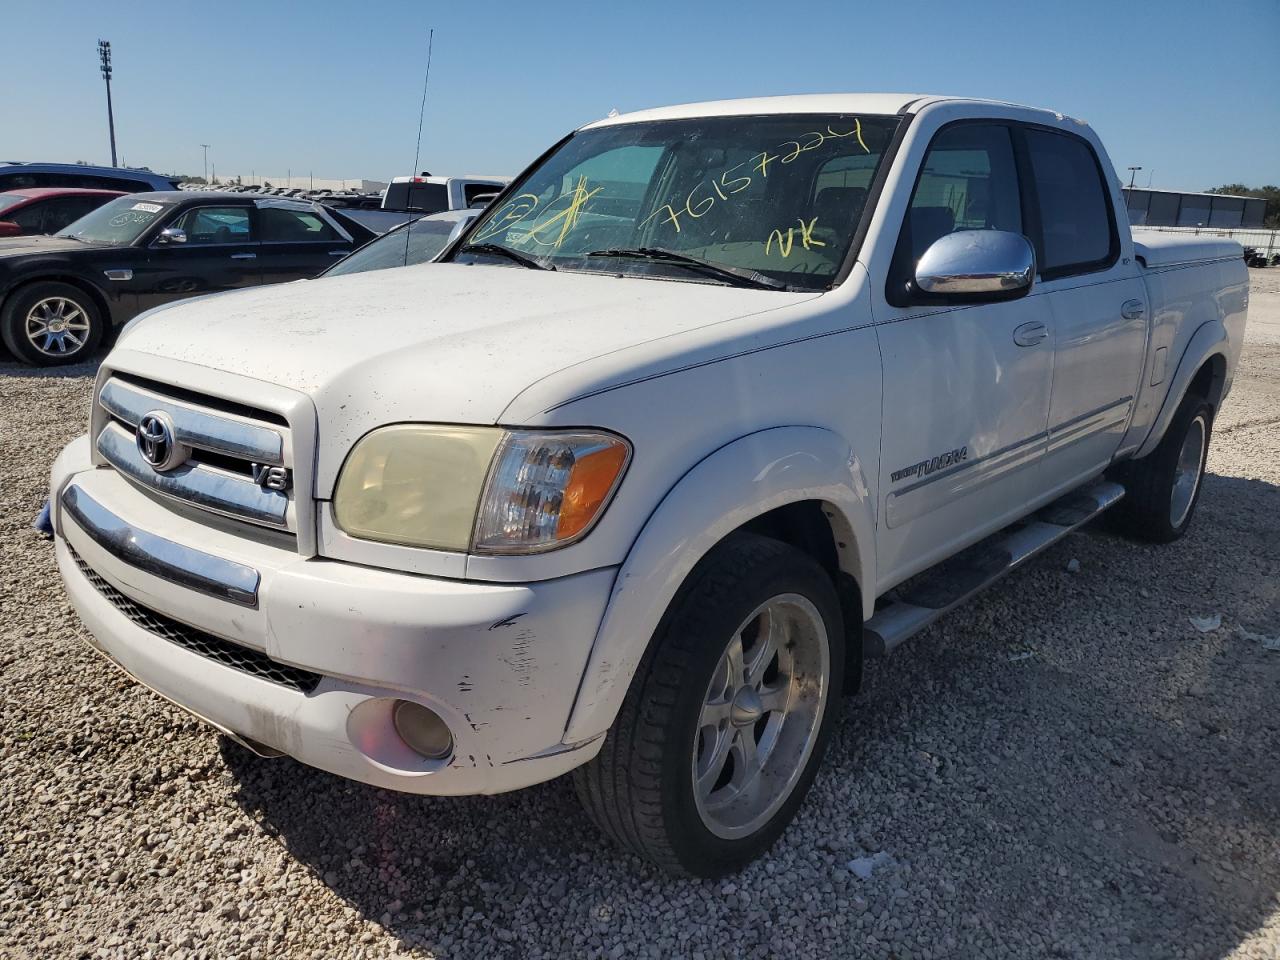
[[12, 200], [778, 195], [426, 239], [118, 223]]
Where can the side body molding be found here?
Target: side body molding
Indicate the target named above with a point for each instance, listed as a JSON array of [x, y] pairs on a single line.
[[1209, 339], [739, 481]]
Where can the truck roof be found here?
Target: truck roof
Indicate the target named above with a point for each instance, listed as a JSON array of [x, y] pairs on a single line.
[[479, 178], [884, 104]]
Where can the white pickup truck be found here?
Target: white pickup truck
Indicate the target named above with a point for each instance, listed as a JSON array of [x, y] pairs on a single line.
[[718, 401]]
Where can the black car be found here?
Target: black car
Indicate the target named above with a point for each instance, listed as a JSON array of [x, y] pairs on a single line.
[[60, 296]]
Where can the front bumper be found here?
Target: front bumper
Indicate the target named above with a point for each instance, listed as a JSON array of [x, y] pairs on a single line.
[[500, 663]]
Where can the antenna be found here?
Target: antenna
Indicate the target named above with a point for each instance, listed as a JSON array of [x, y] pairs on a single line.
[[417, 150]]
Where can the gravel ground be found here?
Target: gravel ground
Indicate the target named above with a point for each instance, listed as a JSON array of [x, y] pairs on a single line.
[[1066, 767]]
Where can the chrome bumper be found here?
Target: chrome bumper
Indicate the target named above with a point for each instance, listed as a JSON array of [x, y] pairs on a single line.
[[174, 562]]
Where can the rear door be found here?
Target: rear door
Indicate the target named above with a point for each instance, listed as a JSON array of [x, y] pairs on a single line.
[[1097, 299], [297, 244], [220, 253], [966, 387]]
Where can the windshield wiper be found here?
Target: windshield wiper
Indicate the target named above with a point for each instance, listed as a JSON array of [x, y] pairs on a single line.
[[502, 251], [739, 278]]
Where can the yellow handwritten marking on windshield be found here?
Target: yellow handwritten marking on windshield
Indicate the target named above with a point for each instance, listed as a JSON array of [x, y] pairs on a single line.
[[512, 212], [567, 218], [806, 234], [725, 187], [673, 217], [785, 240]]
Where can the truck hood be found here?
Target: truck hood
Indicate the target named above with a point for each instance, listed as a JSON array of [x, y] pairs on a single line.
[[435, 342]]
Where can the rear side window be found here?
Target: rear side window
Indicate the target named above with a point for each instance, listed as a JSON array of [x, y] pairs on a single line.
[[1075, 207], [472, 190], [278, 225]]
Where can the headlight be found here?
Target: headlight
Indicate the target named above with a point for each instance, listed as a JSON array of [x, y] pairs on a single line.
[[482, 489]]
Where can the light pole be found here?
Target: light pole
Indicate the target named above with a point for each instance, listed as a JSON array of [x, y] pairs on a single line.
[[1133, 171], [206, 162], [104, 57]]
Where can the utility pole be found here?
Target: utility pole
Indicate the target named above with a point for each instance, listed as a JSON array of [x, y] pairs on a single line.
[[104, 57], [206, 162], [1133, 171]]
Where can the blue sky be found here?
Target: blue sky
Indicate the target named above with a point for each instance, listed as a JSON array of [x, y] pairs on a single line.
[[1184, 88]]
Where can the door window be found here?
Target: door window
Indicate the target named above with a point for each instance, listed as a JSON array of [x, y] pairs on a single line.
[[279, 225], [65, 211], [213, 225], [472, 190], [30, 218], [1076, 218], [968, 182]]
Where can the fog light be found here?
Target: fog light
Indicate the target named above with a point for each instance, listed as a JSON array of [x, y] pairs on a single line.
[[422, 730]]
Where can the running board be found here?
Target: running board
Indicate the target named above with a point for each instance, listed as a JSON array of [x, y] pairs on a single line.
[[929, 595]]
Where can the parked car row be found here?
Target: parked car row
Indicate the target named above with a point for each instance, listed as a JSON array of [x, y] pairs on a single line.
[[1254, 257], [60, 295]]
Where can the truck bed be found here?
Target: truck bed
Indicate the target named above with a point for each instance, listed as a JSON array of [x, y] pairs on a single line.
[[1158, 249]]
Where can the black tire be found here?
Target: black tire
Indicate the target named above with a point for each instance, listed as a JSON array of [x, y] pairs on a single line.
[[640, 788], [1149, 511], [67, 345]]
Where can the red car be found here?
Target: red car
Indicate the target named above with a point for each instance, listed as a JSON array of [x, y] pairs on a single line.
[[47, 209]]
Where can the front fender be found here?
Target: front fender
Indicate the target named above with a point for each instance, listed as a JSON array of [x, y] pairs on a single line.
[[740, 481], [1210, 339]]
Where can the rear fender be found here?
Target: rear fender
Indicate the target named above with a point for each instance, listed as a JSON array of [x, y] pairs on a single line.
[[1209, 340], [740, 481]]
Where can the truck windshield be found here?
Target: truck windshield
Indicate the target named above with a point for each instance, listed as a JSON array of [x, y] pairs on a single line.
[[772, 197], [118, 223]]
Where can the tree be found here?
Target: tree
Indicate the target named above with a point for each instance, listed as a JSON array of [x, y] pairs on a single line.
[[1270, 193]]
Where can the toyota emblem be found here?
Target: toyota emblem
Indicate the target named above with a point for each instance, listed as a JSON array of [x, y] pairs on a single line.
[[158, 444]]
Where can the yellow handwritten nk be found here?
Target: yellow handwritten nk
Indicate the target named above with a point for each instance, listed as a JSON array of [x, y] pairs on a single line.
[[785, 240]]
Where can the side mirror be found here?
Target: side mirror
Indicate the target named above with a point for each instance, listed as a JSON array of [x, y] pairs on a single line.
[[9, 229], [171, 235], [975, 266]]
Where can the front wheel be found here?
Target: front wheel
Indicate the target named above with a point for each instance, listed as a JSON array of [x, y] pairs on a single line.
[[48, 323], [726, 721], [1163, 488]]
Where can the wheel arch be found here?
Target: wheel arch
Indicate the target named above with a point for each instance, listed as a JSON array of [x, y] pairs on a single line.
[[1203, 368], [99, 298], [800, 484]]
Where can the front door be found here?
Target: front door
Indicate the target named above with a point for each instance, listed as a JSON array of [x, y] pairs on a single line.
[[220, 253], [966, 388]]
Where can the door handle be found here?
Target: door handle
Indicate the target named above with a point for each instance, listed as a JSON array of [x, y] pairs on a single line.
[[244, 256], [1029, 334], [338, 253], [1132, 309]]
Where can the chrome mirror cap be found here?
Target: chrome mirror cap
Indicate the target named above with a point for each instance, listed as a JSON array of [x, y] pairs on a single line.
[[172, 235], [977, 264]]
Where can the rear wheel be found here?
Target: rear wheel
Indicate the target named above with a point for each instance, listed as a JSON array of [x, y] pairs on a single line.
[[727, 719], [49, 323], [1163, 488]]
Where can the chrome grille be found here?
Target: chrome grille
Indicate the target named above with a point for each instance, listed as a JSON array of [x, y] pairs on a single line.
[[229, 449], [253, 662]]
